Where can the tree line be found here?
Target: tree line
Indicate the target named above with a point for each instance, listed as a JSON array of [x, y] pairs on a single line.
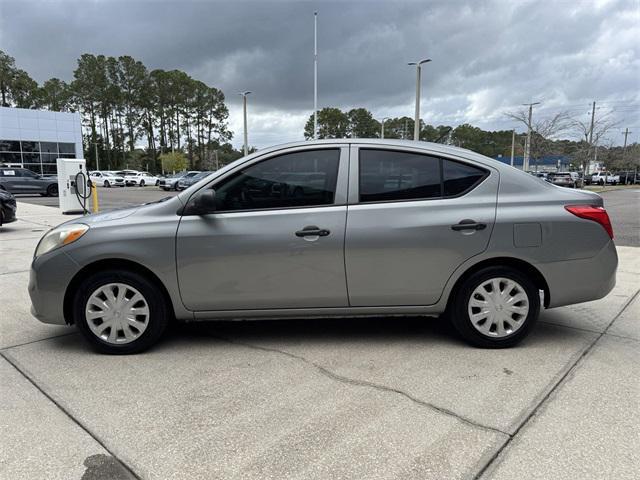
[[559, 134], [123, 103]]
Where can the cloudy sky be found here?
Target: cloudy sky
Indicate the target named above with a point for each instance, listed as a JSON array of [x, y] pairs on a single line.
[[488, 56]]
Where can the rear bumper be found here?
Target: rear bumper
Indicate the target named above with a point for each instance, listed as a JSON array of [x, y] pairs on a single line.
[[584, 280]]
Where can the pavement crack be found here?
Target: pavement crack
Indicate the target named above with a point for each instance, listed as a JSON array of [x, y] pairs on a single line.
[[493, 461], [11, 272], [363, 383], [69, 415], [39, 340]]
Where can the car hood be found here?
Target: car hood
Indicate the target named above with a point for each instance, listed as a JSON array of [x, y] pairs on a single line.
[[107, 216]]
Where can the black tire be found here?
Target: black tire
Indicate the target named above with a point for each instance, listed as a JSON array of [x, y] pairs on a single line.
[[52, 190], [157, 182], [107, 184], [458, 309], [158, 311], [142, 183]]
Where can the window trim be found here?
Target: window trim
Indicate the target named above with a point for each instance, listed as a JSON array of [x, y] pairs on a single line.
[[343, 166], [438, 157]]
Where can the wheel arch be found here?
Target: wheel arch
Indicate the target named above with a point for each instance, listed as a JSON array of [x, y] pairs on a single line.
[[110, 264], [512, 262]]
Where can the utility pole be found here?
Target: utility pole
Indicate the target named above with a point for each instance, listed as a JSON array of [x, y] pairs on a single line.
[[95, 145], [593, 119], [244, 110], [513, 144], [382, 127], [527, 148], [315, 75], [624, 148], [416, 125]]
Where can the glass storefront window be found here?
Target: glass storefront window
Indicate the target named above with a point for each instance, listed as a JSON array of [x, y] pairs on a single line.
[[31, 157], [37, 156], [30, 146], [67, 148], [10, 157], [9, 146]]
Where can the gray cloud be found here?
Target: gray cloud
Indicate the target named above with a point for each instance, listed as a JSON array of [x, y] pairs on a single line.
[[488, 56]]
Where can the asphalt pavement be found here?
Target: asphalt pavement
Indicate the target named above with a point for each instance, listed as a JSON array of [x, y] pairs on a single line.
[[319, 399]]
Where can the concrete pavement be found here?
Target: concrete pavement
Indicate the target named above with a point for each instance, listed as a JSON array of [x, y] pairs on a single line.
[[365, 398]]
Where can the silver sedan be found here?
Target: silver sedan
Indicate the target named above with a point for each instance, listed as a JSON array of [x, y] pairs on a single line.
[[332, 229]]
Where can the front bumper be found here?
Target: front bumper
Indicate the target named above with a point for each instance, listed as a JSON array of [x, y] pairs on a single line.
[[49, 277]]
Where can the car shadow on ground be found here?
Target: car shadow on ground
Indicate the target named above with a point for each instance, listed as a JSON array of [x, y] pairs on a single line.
[[374, 331]]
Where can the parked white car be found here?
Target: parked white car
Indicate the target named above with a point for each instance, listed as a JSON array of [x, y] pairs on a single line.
[[106, 179], [600, 178], [141, 179]]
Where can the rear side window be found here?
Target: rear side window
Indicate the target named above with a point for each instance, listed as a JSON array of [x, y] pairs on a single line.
[[459, 178], [387, 175]]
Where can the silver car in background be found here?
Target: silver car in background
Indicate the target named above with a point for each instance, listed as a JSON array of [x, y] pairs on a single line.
[[332, 229]]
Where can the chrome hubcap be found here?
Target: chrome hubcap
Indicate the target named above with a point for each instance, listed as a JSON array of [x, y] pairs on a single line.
[[498, 307], [117, 313]]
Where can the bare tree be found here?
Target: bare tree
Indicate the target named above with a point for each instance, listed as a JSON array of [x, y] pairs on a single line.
[[592, 136], [543, 131]]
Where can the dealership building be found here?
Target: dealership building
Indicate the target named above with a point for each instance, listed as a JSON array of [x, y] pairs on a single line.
[[34, 139]]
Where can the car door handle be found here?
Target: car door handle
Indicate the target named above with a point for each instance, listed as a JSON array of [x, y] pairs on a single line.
[[312, 231], [468, 225]]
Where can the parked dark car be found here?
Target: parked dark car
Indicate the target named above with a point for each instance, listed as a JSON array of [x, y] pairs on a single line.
[[171, 182], [629, 177], [22, 180], [7, 207]]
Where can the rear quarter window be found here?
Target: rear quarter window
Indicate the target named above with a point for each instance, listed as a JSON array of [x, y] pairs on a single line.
[[459, 178]]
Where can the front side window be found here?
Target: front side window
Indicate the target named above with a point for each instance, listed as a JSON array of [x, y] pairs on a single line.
[[387, 175], [300, 179]]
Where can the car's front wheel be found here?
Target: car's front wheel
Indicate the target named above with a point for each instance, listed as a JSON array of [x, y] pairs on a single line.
[[52, 190], [120, 312], [107, 184], [142, 183], [495, 307]]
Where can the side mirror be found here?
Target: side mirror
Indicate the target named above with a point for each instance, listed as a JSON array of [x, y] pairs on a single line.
[[202, 203]]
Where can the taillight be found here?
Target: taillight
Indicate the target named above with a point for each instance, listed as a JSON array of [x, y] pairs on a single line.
[[597, 214]]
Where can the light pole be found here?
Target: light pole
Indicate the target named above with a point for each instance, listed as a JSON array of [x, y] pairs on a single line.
[[315, 75], [382, 127], [416, 126], [244, 111]]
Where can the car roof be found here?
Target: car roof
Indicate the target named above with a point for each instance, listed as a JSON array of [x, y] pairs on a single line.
[[437, 148]]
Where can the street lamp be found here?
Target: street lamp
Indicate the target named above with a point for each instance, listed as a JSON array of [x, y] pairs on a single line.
[[244, 111], [382, 127], [416, 127]]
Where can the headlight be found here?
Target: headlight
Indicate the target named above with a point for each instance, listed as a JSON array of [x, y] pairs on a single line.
[[60, 236]]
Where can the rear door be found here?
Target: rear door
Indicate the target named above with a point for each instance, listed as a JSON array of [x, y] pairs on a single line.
[[413, 218]]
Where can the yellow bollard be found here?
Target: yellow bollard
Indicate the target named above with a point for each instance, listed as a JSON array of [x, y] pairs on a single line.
[[94, 197]]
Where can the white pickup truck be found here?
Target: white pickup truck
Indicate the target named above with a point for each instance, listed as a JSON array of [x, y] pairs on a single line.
[[601, 178]]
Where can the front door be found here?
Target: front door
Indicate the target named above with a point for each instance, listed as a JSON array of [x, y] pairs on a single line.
[[276, 239], [413, 219]]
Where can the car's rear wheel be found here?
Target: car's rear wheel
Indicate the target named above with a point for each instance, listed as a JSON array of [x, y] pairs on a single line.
[[52, 190], [107, 184], [120, 312], [495, 307], [142, 183]]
